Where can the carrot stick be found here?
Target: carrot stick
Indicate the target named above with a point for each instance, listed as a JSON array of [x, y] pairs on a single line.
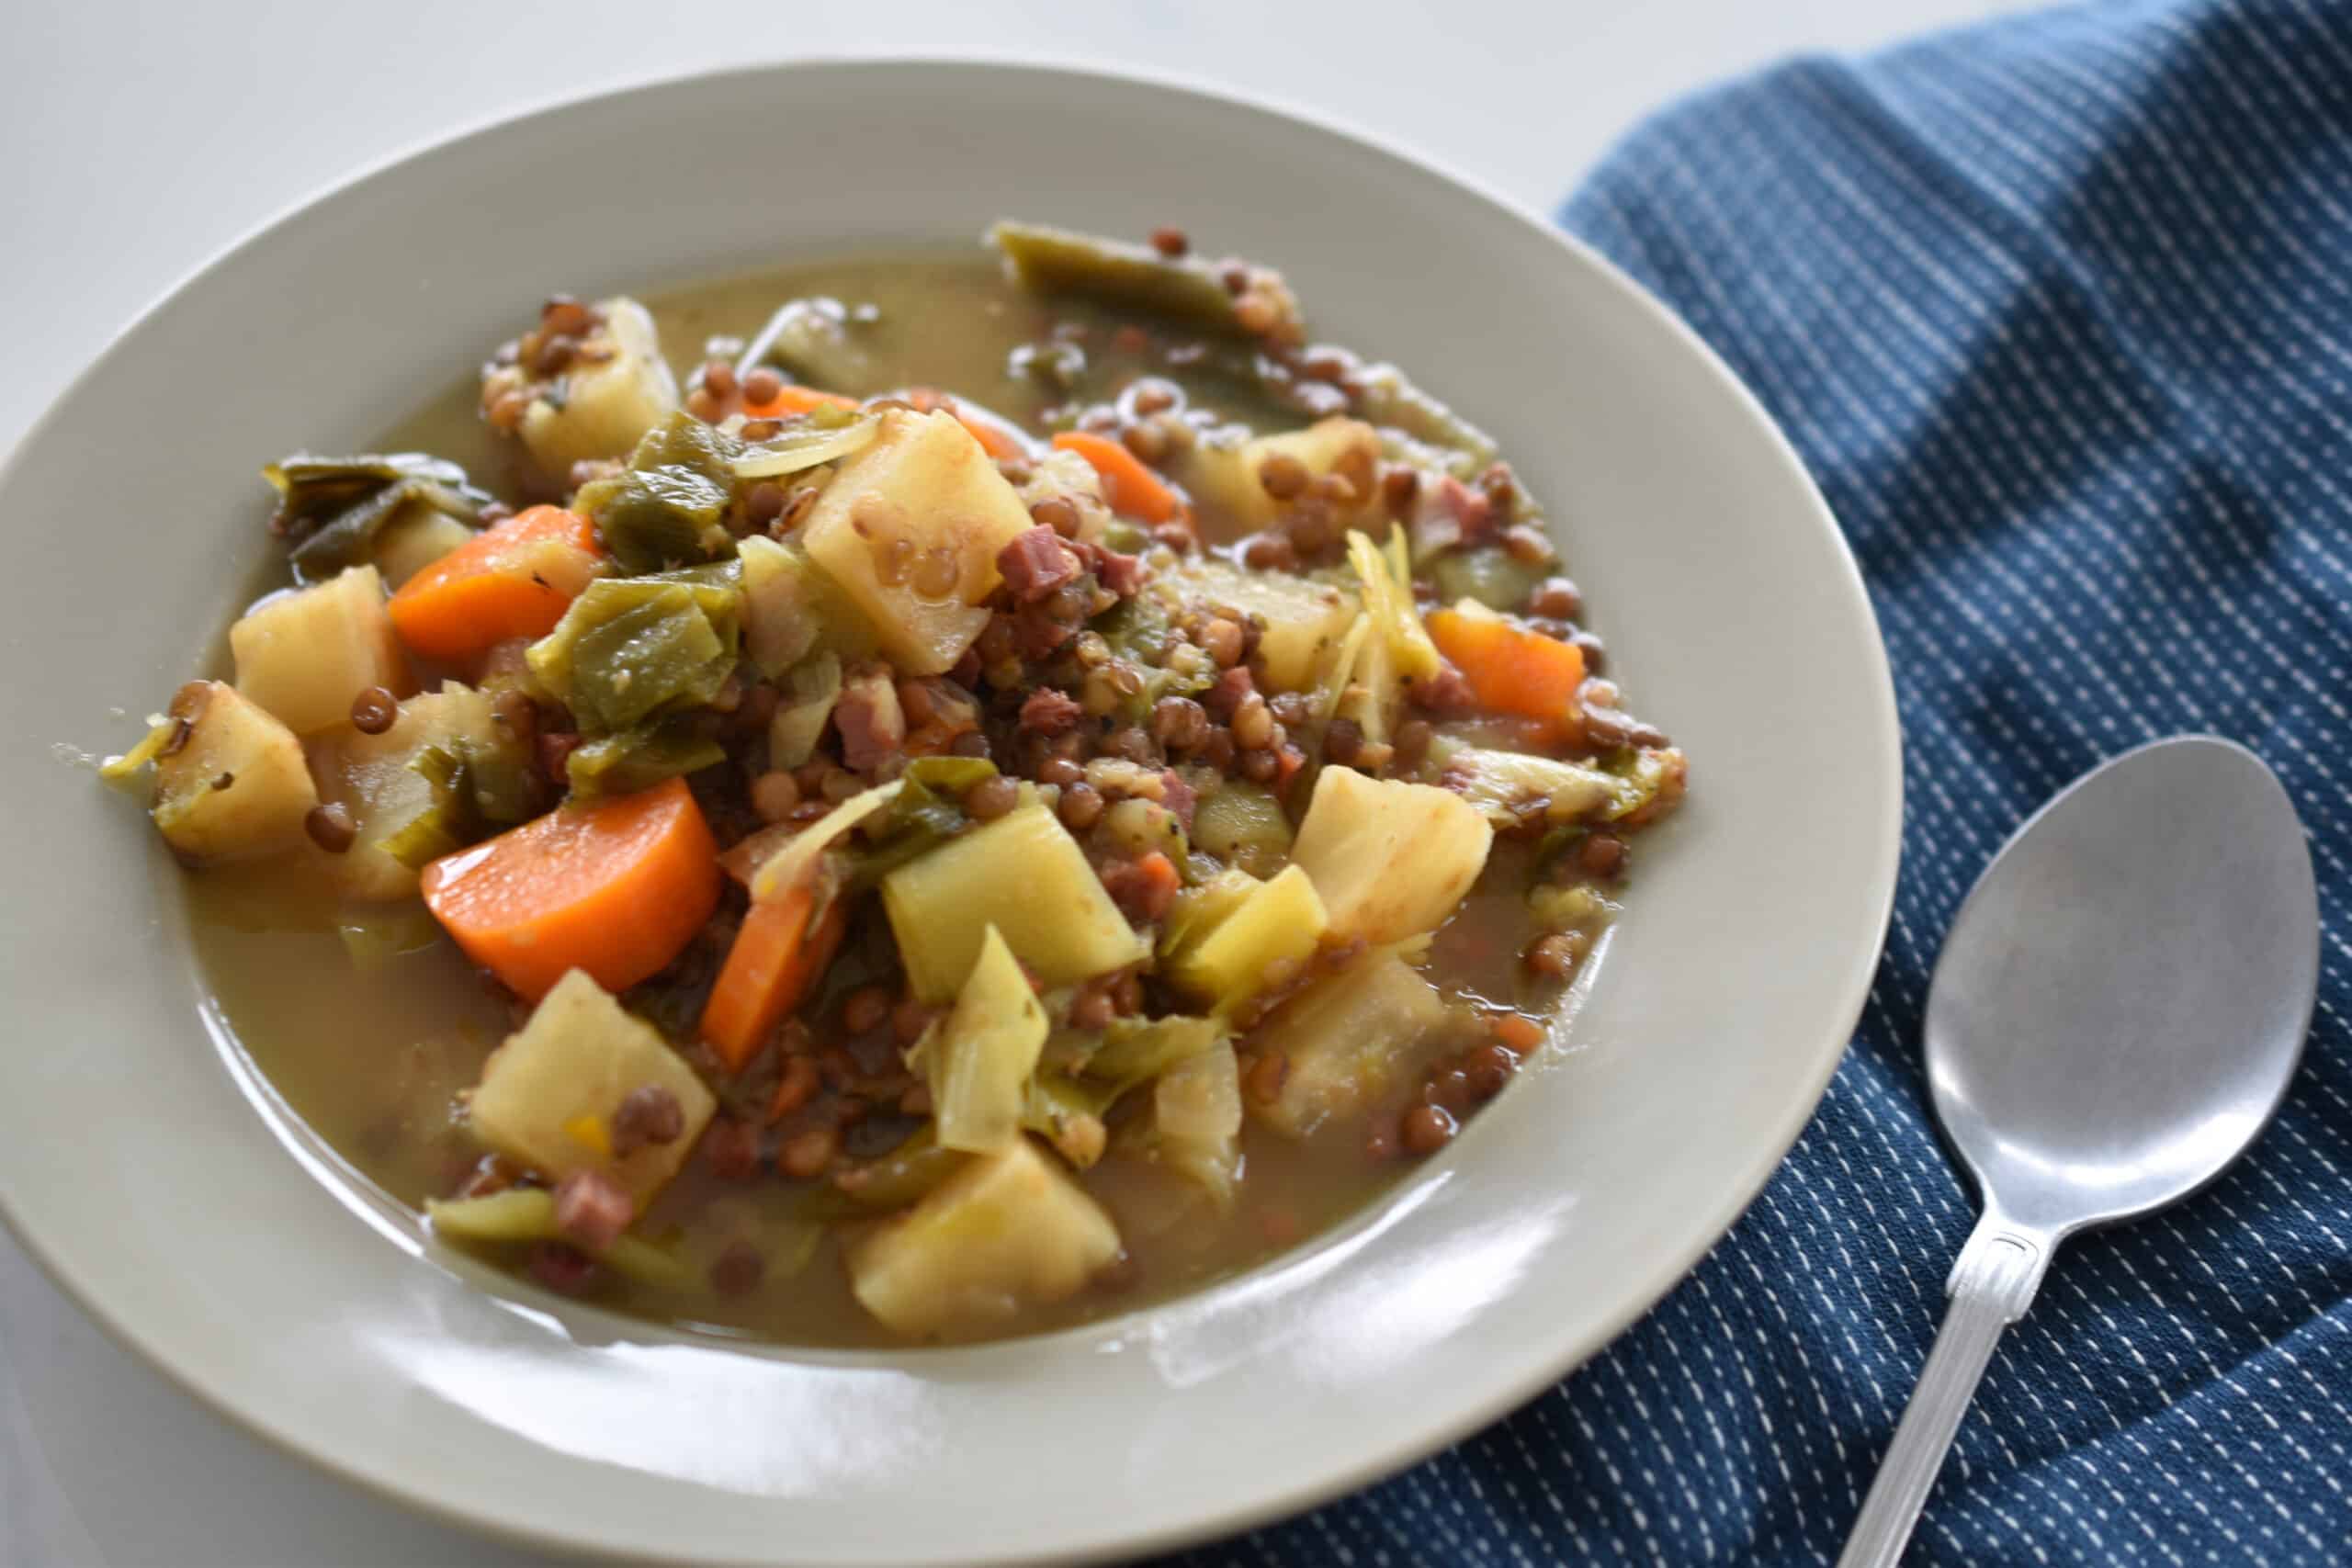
[[776, 957], [514, 580], [792, 399], [1511, 669], [1132, 490], [616, 889]]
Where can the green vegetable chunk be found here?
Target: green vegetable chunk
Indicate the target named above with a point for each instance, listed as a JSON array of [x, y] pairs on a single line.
[[1057, 260], [982, 1055], [633, 649], [335, 511]]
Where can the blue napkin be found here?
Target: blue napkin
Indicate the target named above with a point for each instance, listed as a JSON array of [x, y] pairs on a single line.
[[2059, 313]]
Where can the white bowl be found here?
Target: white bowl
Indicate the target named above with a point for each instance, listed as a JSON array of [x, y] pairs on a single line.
[[133, 1156]]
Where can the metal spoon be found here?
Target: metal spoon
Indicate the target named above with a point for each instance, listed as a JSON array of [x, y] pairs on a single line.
[[2116, 1015]]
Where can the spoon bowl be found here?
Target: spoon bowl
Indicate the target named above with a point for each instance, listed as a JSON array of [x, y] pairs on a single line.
[[2116, 1014]]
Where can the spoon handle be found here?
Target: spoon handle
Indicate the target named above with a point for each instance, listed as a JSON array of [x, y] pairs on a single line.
[[1990, 1287]]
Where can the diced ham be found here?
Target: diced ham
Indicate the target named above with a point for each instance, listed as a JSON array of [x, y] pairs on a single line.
[[1049, 712], [592, 1208], [1178, 797], [1232, 686], [1034, 563], [872, 725], [1123, 575]]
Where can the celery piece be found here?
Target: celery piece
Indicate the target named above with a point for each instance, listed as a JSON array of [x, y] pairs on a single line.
[[799, 723], [332, 509], [1488, 574], [1243, 825], [792, 610], [982, 1055], [642, 758], [631, 649]]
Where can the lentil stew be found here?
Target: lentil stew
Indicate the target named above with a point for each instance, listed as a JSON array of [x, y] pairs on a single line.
[[1009, 787]]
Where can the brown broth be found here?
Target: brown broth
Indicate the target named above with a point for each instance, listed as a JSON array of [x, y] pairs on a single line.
[[371, 1053]]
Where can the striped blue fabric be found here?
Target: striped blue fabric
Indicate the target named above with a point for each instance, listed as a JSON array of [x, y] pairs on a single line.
[[2059, 311]]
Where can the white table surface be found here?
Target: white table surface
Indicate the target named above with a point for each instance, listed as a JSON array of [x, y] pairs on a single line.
[[140, 139]]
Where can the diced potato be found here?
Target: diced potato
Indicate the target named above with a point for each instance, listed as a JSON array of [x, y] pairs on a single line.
[[1496, 783], [305, 653], [409, 545], [984, 1053], [1226, 962], [1305, 620], [921, 508], [1225, 478], [602, 407], [1007, 1231], [1344, 1038], [1390, 859], [1198, 911], [548, 1096], [370, 775], [1023, 874], [791, 609], [238, 785], [1196, 1121]]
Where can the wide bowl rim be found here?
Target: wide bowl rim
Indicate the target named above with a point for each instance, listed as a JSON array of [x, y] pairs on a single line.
[[1414, 1443]]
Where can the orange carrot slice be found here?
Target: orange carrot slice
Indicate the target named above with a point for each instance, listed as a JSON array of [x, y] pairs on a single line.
[[1132, 490], [792, 399], [1511, 669], [775, 959], [514, 580], [616, 889]]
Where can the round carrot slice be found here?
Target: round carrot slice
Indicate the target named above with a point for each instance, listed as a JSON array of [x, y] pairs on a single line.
[[616, 889]]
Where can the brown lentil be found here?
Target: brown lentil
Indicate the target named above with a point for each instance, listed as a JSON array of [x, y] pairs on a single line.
[[374, 710], [1092, 1008], [867, 1009], [775, 796], [738, 1271], [1253, 724], [566, 315], [991, 799], [1223, 639], [909, 1019], [765, 505], [805, 1156], [762, 386], [1490, 1068], [1259, 767], [1082, 806], [1059, 771], [1343, 742], [1151, 395], [1527, 545], [1427, 1129], [1602, 856], [1171, 243], [330, 826], [1283, 476], [1145, 440], [648, 1115], [733, 1149], [1596, 656], [1398, 486], [718, 379], [555, 353], [1267, 1076], [1179, 723], [1555, 955], [1269, 552], [699, 404], [1057, 513], [1556, 599]]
